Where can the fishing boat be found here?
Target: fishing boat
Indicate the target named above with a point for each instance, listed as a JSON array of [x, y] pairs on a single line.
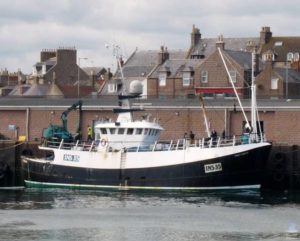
[[128, 154]]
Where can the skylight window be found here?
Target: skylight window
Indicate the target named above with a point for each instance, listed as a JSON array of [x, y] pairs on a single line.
[[278, 43]]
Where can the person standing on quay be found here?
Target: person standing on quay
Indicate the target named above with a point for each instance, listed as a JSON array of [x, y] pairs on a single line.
[[89, 133]]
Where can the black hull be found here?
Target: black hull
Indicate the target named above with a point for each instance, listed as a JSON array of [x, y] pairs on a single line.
[[245, 169]]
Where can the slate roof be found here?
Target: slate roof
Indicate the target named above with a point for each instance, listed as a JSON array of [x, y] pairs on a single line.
[[293, 75], [96, 70], [207, 46], [19, 90], [37, 90], [244, 59], [142, 62], [289, 44], [176, 66]]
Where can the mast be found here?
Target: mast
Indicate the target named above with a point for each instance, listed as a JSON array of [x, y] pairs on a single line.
[[204, 115], [125, 116], [253, 98]]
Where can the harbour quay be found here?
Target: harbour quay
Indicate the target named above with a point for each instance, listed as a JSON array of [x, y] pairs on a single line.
[[24, 119]]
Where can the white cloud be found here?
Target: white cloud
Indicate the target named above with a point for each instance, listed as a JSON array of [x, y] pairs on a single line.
[[28, 26]]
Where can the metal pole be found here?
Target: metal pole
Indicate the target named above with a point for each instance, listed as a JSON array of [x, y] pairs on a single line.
[[286, 80], [78, 77]]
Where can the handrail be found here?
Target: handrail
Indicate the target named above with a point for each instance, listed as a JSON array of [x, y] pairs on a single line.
[[163, 145]]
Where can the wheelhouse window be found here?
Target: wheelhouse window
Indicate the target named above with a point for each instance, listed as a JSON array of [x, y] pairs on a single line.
[[112, 130], [129, 131], [204, 76], [274, 84], [139, 131], [186, 79], [233, 75], [146, 131], [121, 131], [162, 78], [103, 131]]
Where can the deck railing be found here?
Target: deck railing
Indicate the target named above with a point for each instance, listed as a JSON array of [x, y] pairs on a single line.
[[170, 145]]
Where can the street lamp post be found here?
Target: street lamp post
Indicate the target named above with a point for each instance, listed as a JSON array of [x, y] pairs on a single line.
[[286, 80], [78, 74], [289, 58]]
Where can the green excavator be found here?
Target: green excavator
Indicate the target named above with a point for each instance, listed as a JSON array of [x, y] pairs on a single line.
[[57, 133]]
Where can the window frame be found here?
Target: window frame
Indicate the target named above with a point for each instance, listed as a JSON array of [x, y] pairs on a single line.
[[233, 75], [162, 79], [112, 88], [186, 78], [204, 76], [273, 87]]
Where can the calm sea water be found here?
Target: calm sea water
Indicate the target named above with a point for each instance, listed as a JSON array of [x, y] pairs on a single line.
[[56, 214]]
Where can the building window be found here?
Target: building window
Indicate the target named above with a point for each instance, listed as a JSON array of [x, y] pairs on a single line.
[[296, 56], [274, 84], [233, 75], [162, 79], [204, 76], [186, 79], [112, 88], [290, 56]]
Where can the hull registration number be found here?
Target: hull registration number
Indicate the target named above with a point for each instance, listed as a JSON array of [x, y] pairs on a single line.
[[215, 167], [71, 158]]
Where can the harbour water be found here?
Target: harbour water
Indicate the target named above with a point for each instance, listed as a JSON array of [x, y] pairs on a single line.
[[56, 214]]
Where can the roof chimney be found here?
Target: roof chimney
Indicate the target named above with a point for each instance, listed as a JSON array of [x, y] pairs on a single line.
[[220, 42], [195, 36], [163, 55], [265, 35]]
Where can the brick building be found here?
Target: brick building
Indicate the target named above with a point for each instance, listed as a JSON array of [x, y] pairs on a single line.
[[62, 62], [8, 80], [28, 117], [181, 74]]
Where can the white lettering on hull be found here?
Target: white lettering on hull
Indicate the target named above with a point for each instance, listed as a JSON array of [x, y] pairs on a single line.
[[71, 158], [215, 167]]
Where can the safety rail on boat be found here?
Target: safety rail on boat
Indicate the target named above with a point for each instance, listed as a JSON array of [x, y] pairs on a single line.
[[170, 145]]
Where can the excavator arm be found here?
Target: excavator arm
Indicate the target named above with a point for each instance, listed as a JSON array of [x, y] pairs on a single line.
[[64, 117]]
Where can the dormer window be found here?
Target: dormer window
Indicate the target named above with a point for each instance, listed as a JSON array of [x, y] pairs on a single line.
[[186, 78], [296, 56], [112, 88], [289, 56], [162, 78]]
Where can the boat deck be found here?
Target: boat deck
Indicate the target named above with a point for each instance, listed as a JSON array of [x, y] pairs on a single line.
[[162, 145]]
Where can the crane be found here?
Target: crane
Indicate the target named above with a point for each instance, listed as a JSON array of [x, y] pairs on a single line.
[[57, 133]]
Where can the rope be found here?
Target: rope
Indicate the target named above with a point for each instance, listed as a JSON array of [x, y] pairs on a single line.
[[10, 147]]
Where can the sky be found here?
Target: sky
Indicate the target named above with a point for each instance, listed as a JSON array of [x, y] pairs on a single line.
[[29, 26]]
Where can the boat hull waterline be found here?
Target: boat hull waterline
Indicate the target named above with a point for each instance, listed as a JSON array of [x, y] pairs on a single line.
[[193, 168]]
